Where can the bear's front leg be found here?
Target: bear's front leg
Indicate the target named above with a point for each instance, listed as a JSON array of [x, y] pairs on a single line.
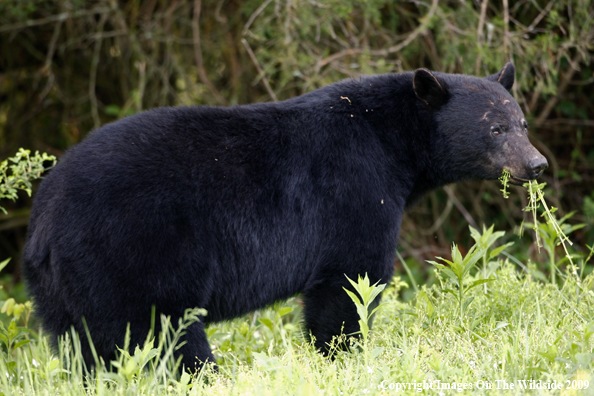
[[329, 311], [196, 349]]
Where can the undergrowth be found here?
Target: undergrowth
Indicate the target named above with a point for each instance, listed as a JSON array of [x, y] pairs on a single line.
[[520, 328]]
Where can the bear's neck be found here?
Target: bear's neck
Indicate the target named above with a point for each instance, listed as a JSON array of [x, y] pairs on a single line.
[[383, 115], [408, 133]]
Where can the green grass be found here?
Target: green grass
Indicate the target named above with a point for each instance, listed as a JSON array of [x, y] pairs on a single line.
[[519, 328]]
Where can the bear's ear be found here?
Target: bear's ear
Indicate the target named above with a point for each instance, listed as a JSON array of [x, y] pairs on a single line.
[[505, 76], [429, 89]]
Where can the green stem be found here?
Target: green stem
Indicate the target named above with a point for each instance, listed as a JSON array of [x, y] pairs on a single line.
[[552, 264], [485, 270], [461, 305]]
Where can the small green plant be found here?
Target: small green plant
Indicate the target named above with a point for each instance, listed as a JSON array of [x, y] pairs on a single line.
[[367, 306], [13, 336], [129, 366], [424, 301], [368, 295], [169, 341], [276, 323], [11, 308], [17, 173], [484, 240], [458, 272]]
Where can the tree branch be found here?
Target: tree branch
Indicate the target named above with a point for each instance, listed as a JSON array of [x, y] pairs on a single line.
[[450, 191], [383, 52], [260, 71], [93, 75], [54, 18], [551, 103], [198, 54]]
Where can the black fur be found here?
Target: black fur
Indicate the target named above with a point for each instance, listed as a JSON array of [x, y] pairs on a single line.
[[231, 209]]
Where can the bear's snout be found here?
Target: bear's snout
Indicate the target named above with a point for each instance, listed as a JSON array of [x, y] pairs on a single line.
[[537, 166]]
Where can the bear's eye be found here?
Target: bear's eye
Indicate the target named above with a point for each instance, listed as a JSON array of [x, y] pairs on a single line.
[[495, 131], [525, 125]]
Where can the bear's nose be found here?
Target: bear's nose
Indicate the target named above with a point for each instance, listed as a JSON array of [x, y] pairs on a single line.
[[536, 166]]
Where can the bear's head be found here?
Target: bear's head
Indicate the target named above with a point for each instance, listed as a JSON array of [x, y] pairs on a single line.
[[481, 128]]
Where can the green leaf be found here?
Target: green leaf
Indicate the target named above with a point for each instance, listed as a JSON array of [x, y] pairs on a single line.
[[573, 228], [472, 260], [364, 329], [423, 297], [54, 364], [376, 290], [185, 379], [446, 261], [584, 359], [353, 296], [538, 275], [112, 110], [551, 353], [474, 233], [495, 236], [456, 255], [21, 343], [588, 331], [285, 310], [4, 263], [478, 282], [267, 322], [467, 302], [375, 352], [453, 293], [375, 309], [445, 270], [501, 325], [362, 312], [567, 216], [497, 251]]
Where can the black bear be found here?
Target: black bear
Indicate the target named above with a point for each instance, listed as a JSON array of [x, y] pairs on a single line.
[[232, 209]]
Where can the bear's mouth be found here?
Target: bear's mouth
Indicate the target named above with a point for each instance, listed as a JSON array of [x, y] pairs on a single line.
[[518, 181]]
